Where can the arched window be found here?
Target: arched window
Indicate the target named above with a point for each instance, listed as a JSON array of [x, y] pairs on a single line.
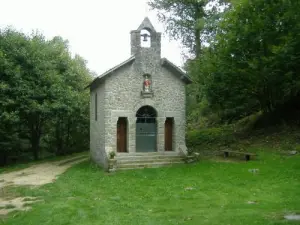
[[146, 114]]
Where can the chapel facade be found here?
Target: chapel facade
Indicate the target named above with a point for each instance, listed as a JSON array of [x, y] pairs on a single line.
[[139, 106]]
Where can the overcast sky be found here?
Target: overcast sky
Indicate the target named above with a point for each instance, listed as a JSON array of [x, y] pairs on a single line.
[[98, 30]]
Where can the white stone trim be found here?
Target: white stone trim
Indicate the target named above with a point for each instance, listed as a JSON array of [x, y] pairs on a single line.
[[172, 114], [121, 113]]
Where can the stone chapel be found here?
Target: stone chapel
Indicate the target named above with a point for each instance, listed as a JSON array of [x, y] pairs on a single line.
[[137, 108]]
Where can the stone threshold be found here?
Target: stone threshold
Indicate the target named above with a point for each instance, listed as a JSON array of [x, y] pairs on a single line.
[[147, 153]]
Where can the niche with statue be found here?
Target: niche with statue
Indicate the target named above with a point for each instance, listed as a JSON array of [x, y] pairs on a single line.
[[147, 91]]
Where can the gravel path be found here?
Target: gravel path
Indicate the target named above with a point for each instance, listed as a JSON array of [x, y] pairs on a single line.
[[35, 175]]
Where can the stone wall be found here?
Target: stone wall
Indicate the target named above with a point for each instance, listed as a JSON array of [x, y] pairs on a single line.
[[97, 128], [123, 99]]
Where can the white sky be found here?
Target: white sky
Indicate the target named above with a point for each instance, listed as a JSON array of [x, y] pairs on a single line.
[[97, 30]]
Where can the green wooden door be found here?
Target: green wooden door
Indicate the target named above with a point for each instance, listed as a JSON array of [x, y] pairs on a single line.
[[145, 137]]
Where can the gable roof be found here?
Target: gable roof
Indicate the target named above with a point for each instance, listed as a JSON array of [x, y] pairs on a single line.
[[164, 62], [176, 70], [117, 67], [146, 24]]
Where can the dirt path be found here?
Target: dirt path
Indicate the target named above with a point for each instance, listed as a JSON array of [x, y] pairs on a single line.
[[35, 175]]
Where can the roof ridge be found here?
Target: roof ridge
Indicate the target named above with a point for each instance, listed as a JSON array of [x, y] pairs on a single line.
[[117, 66], [112, 69]]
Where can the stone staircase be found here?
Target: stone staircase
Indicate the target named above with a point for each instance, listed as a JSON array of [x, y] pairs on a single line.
[[147, 160]]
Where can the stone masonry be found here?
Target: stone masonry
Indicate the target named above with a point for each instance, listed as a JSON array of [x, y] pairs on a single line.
[[119, 95]]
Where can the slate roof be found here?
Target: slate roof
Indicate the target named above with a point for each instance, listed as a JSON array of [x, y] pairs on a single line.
[[105, 74], [176, 70]]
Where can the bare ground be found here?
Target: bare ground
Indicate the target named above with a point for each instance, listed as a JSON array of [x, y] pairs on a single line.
[[35, 175]]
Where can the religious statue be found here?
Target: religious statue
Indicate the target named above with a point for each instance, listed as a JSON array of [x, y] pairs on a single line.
[[147, 84]]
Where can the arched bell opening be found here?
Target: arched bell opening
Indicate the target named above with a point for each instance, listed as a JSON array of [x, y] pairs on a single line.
[[146, 129], [146, 38]]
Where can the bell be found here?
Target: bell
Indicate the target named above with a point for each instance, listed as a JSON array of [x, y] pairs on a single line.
[[145, 37]]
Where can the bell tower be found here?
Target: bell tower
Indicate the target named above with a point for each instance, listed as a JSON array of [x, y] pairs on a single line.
[[145, 40]]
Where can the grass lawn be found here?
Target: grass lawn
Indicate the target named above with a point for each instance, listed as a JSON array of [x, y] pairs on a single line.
[[209, 192]]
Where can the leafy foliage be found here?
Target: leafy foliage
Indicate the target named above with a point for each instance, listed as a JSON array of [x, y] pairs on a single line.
[[255, 58], [247, 59], [187, 20], [221, 136], [246, 67], [42, 100]]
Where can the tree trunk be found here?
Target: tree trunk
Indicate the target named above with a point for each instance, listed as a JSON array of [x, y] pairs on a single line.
[[36, 147], [199, 14], [198, 43], [35, 136], [3, 158], [68, 134], [59, 139]]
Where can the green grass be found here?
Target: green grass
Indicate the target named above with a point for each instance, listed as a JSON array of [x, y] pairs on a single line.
[[209, 192]]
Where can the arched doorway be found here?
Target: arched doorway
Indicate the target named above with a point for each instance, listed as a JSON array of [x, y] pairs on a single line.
[[146, 130]]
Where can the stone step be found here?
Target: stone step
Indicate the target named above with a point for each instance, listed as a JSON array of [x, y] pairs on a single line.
[[145, 165], [135, 160], [150, 154], [154, 157], [146, 153], [149, 160]]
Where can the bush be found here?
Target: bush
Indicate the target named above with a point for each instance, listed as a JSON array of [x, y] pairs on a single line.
[[210, 137]]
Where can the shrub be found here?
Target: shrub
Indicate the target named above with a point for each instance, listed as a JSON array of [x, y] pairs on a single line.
[[216, 136]]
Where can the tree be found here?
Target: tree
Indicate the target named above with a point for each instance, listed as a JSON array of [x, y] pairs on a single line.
[[186, 20], [11, 44], [256, 58], [42, 96], [194, 24]]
